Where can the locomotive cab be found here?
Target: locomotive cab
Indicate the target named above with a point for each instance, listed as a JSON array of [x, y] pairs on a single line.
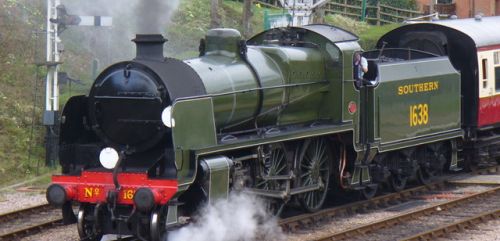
[[380, 56]]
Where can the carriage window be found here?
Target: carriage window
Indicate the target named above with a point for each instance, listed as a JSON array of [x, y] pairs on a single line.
[[485, 68], [497, 79], [496, 57]]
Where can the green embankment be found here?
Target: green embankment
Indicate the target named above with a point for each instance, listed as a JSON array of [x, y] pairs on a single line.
[[21, 133], [21, 130], [368, 34]]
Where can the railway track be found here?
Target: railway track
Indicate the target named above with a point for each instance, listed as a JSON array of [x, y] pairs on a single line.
[[20, 223], [306, 221], [312, 220], [456, 226], [424, 224]]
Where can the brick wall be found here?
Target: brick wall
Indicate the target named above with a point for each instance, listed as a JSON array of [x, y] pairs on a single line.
[[469, 8], [487, 7], [497, 8], [464, 8]]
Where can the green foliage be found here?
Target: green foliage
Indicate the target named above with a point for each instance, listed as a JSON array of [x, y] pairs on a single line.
[[192, 21], [370, 36], [21, 132], [189, 25], [348, 24]]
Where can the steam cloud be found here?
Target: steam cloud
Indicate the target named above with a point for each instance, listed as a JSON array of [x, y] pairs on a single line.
[[240, 218], [136, 16], [130, 17], [151, 14]]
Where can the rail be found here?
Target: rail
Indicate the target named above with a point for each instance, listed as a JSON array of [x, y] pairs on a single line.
[[29, 228], [295, 223], [406, 217], [455, 227], [14, 214]]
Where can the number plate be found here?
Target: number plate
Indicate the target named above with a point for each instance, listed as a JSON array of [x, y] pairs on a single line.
[[127, 194], [419, 114]]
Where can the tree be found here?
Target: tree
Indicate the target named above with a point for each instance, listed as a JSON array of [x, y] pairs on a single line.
[[247, 18], [215, 19]]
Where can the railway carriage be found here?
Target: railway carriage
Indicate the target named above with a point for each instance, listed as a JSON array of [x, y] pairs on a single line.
[[279, 116]]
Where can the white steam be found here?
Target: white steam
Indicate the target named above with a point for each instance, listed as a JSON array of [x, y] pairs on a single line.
[[130, 17], [240, 218]]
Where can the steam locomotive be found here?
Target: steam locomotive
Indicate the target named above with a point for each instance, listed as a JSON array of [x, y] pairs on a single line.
[[280, 116]]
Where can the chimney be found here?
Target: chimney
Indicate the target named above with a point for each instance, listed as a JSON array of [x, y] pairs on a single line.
[[149, 46]]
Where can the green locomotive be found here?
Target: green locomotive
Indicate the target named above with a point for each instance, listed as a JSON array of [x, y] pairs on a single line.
[[280, 116]]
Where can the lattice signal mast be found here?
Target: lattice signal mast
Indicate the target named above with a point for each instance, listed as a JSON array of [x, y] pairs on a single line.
[[51, 87]]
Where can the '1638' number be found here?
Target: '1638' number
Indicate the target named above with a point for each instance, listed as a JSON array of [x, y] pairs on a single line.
[[419, 114]]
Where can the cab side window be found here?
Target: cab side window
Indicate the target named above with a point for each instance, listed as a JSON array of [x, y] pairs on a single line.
[[333, 51]]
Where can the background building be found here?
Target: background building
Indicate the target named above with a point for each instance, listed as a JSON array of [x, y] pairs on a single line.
[[462, 8]]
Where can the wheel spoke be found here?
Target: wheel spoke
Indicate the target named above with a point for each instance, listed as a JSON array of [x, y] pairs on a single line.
[[306, 166], [323, 160], [307, 181], [261, 183], [321, 150], [309, 198], [280, 170], [317, 145], [307, 158], [279, 160], [305, 174]]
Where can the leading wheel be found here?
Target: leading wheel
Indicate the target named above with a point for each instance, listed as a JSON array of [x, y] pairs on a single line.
[[87, 225], [158, 225], [314, 170]]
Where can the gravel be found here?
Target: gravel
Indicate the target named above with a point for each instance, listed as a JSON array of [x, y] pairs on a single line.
[[11, 201], [66, 233], [483, 232], [344, 223]]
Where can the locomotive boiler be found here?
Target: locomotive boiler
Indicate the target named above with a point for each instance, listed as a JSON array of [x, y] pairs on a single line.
[[279, 116]]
